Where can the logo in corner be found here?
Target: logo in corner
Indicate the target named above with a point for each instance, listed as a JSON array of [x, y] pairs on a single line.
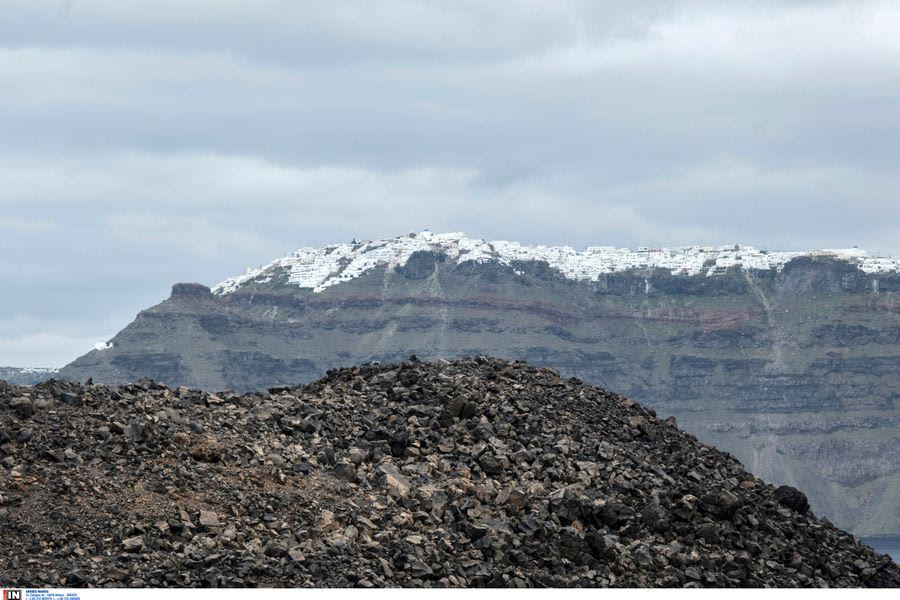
[[12, 594]]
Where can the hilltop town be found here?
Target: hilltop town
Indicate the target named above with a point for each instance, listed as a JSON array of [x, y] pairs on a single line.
[[320, 268]]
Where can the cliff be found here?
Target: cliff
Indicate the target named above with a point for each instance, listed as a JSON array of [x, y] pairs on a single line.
[[794, 371]]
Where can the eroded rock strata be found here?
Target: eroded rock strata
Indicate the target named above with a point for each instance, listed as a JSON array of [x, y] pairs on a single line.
[[794, 372]]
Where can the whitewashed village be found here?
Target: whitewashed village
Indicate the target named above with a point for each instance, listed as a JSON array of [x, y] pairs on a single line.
[[320, 268]]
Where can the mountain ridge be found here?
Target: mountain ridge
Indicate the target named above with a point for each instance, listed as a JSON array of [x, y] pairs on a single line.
[[791, 369], [27, 375], [319, 268]]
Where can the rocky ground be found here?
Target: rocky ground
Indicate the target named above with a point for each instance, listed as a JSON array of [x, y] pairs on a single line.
[[478, 472]]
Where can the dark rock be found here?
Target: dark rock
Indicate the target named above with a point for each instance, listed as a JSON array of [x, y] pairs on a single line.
[[22, 407], [52, 456], [75, 579], [720, 503], [601, 546], [552, 483], [791, 498], [194, 290], [138, 431], [490, 465], [708, 532], [455, 408], [345, 471], [399, 441], [516, 500], [69, 398], [653, 516]]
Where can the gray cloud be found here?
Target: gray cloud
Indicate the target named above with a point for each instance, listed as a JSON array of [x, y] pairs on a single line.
[[147, 143]]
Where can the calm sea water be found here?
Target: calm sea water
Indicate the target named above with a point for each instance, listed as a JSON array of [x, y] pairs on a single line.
[[885, 545]]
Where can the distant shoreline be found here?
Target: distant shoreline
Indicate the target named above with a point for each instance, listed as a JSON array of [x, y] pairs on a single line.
[[886, 544]]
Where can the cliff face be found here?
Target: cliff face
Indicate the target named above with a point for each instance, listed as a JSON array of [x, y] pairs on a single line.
[[796, 373]]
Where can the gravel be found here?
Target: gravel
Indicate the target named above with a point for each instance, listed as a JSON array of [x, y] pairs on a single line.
[[477, 472]]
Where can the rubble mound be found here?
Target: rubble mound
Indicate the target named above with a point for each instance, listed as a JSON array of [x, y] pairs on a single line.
[[477, 472]]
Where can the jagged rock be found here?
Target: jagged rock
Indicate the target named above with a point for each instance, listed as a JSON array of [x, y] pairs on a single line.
[[791, 498], [207, 450], [720, 503], [490, 465], [399, 441], [133, 544], [653, 515], [70, 398], [138, 431], [22, 407], [396, 483], [208, 519], [516, 500], [547, 482], [357, 455]]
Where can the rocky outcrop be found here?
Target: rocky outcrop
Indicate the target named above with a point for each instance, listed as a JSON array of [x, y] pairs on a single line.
[[479, 472], [793, 372], [191, 290]]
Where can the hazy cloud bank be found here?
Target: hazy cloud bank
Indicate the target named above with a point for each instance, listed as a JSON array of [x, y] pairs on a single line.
[[147, 143]]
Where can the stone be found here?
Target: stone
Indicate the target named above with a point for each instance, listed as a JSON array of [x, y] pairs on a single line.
[[490, 465], [75, 579], [721, 503], [70, 398], [208, 519], [296, 555], [138, 431], [133, 544], [399, 441], [516, 500], [708, 532], [455, 408], [397, 484], [207, 450], [653, 516], [22, 407], [345, 470], [357, 455], [791, 498]]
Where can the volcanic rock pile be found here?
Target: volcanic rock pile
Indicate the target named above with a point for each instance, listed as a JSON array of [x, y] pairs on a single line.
[[478, 472]]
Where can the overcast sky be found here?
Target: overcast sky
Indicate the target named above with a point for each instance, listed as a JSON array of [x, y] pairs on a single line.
[[145, 143]]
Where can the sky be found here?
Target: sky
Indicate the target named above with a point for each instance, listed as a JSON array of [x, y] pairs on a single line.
[[146, 143]]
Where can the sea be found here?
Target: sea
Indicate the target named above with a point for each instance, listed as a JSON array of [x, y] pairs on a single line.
[[885, 545]]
